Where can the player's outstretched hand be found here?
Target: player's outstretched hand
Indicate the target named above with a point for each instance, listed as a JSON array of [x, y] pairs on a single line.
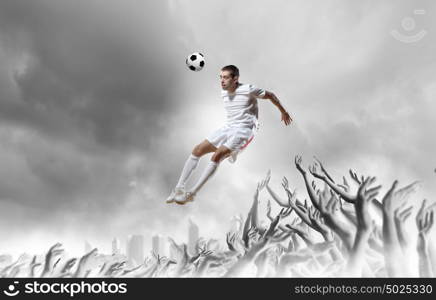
[[286, 118]]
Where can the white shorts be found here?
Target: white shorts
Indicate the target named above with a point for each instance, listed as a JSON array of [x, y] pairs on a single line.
[[234, 138]]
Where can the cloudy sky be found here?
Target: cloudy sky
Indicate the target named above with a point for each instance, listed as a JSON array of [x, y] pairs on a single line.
[[98, 111]]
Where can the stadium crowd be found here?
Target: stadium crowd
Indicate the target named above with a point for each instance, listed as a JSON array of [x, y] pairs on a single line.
[[345, 229]]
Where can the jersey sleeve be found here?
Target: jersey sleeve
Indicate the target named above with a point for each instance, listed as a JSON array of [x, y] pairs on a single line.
[[256, 92]]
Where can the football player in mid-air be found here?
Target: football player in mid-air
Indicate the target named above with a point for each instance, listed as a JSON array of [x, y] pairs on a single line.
[[240, 103]]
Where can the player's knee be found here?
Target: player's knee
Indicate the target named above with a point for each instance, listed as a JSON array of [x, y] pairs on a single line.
[[197, 151], [219, 156]]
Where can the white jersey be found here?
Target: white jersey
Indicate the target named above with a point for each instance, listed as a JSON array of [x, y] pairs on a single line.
[[241, 106]]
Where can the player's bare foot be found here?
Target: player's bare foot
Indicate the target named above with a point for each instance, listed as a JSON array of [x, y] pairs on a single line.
[[177, 193], [189, 197]]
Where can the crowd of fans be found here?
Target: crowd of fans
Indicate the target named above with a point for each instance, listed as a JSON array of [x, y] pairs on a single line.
[[345, 229]]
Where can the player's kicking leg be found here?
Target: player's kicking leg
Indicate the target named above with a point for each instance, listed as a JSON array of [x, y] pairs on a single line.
[[221, 153], [191, 163]]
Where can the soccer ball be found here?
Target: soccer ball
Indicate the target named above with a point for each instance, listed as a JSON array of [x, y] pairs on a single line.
[[195, 61]]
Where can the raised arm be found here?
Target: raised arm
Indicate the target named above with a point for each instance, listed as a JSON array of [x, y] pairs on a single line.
[[312, 194], [50, 259], [271, 218], [333, 217], [82, 266], [274, 100], [400, 216], [254, 209], [393, 251], [255, 249], [364, 225], [345, 194], [279, 200], [424, 222]]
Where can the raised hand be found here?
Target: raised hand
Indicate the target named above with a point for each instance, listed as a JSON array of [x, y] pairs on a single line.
[[230, 239], [285, 212], [345, 186], [354, 176], [64, 270], [261, 185], [254, 249], [202, 252], [285, 183], [298, 161], [158, 258], [394, 199], [253, 235], [392, 246], [33, 264], [365, 195], [316, 173], [424, 221], [81, 270], [333, 218], [404, 193], [423, 209], [286, 118], [318, 224], [313, 195], [50, 259], [391, 201], [294, 204], [111, 269], [292, 196], [364, 198], [323, 169], [401, 214], [272, 228], [253, 216], [275, 196], [342, 190], [314, 187], [302, 210], [271, 218]]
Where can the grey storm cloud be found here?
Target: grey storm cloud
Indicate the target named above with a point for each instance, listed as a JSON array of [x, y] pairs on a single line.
[[90, 63], [84, 84]]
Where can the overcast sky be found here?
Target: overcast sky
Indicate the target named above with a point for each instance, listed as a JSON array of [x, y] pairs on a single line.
[[98, 111]]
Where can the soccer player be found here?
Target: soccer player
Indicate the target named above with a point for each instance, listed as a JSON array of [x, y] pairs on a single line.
[[240, 103]]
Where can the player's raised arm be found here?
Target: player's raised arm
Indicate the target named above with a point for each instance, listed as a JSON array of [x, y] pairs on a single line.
[[285, 115]]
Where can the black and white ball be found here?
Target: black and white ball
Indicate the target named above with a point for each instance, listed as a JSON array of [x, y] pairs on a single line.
[[195, 61]]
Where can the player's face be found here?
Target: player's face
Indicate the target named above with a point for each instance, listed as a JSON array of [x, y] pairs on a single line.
[[227, 81]]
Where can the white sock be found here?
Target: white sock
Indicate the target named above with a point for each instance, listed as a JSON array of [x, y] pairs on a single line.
[[190, 164], [207, 173]]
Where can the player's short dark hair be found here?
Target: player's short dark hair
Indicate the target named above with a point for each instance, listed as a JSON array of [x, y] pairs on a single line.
[[234, 71]]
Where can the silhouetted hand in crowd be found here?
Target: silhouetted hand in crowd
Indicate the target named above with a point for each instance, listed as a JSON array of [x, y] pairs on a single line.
[[83, 265], [50, 259], [424, 222]]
